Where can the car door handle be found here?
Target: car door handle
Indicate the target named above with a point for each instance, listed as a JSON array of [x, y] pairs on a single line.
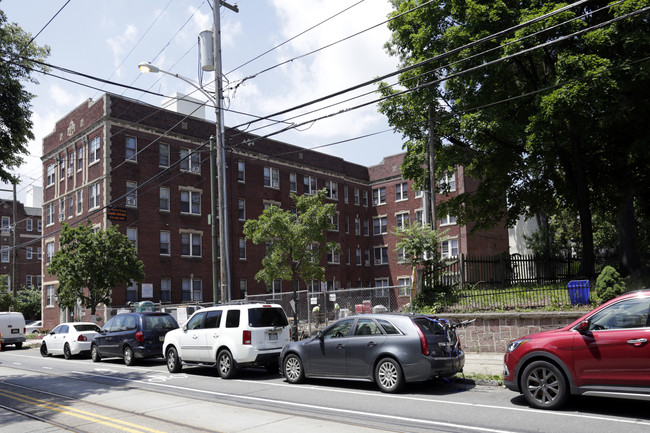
[[371, 344], [340, 346], [638, 341], [195, 336]]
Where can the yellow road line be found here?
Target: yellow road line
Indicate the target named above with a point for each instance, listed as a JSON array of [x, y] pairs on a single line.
[[67, 410]]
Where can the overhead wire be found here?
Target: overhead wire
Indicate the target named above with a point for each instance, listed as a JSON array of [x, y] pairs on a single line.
[[22, 51]]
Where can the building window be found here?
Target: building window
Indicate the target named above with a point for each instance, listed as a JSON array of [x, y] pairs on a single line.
[[448, 182], [163, 155], [49, 252], [378, 196], [132, 234], [357, 226], [49, 214], [275, 289], [243, 288], [80, 157], [190, 202], [28, 281], [241, 209], [242, 248], [347, 224], [50, 175], [333, 256], [356, 196], [366, 256], [6, 224], [80, 201], [70, 205], [93, 196], [93, 150], [164, 243], [293, 182], [165, 290], [332, 189], [402, 255], [4, 254], [449, 248], [271, 177], [404, 284], [380, 225], [310, 185], [190, 161], [345, 193], [366, 228], [334, 220], [164, 198], [131, 149], [29, 225], [418, 216], [62, 167], [401, 191], [61, 209], [448, 220], [70, 163], [49, 295], [381, 255], [358, 257], [132, 194], [191, 244], [132, 291], [347, 262], [402, 220], [28, 253], [365, 198], [241, 172], [192, 289]]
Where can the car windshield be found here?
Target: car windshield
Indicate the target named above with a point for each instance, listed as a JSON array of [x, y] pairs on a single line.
[[87, 327], [164, 322], [265, 317]]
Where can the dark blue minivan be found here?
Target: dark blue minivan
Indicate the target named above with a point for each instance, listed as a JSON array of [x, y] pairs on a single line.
[[132, 336]]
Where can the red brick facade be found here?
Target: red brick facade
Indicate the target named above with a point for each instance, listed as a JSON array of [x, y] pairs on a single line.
[[124, 126]]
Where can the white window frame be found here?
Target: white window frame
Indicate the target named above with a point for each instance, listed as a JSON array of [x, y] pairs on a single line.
[[165, 233], [94, 192], [402, 220], [404, 284], [80, 201], [448, 180], [162, 200], [29, 252], [165, 289], [241, 209], [80, 158], [132, 235], [6, 224], [383, 254], [311, 185], [357, 197], [49, 252], [293, 182], [190, 201], [70, 205], [242, 248], [334, 219], [94, 149], [49, 295], [334, 256], [241, 172], [332, 189], [379, 196], [190, 161], [382, 225], [188, 240], [131, 196], [70, 163], [49, 214], [4, 254], [271, 177], [50, 175], [29, 224], [401, 191], [448, 220], [448, 247], [166, 162]]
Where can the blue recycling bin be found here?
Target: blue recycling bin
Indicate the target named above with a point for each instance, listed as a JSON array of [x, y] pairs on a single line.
[[579, 292]]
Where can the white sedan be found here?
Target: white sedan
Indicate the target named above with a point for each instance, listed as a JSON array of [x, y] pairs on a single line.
[[69, 339], [34, 327]]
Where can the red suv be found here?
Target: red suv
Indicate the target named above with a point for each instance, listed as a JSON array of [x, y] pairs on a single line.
[[604, 353]]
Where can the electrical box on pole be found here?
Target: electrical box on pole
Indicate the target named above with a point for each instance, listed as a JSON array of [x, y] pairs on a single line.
[[206, 45]]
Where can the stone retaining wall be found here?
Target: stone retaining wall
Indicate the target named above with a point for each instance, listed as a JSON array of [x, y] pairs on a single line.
[[492, 331]]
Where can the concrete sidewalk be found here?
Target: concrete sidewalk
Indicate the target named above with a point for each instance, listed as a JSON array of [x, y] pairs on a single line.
[[483, 363]]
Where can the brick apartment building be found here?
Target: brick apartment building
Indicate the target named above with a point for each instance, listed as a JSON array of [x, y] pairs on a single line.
[[119, 161], [23, 250]]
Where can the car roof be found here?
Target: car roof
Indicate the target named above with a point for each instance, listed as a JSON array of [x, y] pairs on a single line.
[[240, 306]]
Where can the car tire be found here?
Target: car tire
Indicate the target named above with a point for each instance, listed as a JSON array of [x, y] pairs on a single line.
[[19, 345], [293, 369], [66, 351], [226, 365], [173, 361], [94, 353], [129, 357], [544, 385], [44, 352], [388, 375]]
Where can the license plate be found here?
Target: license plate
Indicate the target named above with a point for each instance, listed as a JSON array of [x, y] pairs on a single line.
[[161, 339], [17, 331], [273, 336]]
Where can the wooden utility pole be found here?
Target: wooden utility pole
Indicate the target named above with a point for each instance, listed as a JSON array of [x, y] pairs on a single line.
[[432, 173]]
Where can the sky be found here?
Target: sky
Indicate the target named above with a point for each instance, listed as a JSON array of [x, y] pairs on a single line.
[[108, 39]]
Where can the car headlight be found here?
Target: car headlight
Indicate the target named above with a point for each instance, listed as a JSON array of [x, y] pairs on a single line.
[[515, 344]]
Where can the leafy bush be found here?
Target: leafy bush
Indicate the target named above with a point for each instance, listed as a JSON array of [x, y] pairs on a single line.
[[609, 284]]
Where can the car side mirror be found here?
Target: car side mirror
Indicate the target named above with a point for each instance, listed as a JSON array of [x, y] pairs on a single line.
[[319, 335], [583, 327]]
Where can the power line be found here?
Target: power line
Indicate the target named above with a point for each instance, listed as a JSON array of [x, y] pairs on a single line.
[[41, 30]]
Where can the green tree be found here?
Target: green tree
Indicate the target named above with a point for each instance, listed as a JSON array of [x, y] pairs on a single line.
[[558, 123], [609, 284], [295, 243], [19, 62], [90, 264], [29, 302]]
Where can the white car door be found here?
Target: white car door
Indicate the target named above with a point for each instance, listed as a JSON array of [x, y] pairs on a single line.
[[210, 336], [55, 346], [189, 341]]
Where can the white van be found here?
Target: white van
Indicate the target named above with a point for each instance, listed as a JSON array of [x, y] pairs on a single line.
[[12, 329]]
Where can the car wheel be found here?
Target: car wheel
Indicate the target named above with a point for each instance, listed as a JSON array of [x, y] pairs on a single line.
[[544, 385], [94, 353], [19, 345], [129, 359], [44, 350], [293, 369], [66, 351], [173, 361], [388, 375], [226, 365]]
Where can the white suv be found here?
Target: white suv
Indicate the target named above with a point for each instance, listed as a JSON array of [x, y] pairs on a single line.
[[229, 337]]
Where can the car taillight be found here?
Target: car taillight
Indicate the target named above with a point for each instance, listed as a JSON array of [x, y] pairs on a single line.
[[246, 337], [424, 346], [139, 336], [82, 338]]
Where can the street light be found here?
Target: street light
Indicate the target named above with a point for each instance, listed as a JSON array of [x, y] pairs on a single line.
[[146, 67]]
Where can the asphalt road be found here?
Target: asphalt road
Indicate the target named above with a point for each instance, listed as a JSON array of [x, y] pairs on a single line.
[[84, 396]]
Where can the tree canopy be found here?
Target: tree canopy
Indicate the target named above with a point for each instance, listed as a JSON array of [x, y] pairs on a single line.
[[18, 55], [295, 242], [543, 103], [89, 264]]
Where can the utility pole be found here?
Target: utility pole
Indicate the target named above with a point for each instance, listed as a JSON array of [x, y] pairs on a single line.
[[432, 173], [221, 152], [14, 250]]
